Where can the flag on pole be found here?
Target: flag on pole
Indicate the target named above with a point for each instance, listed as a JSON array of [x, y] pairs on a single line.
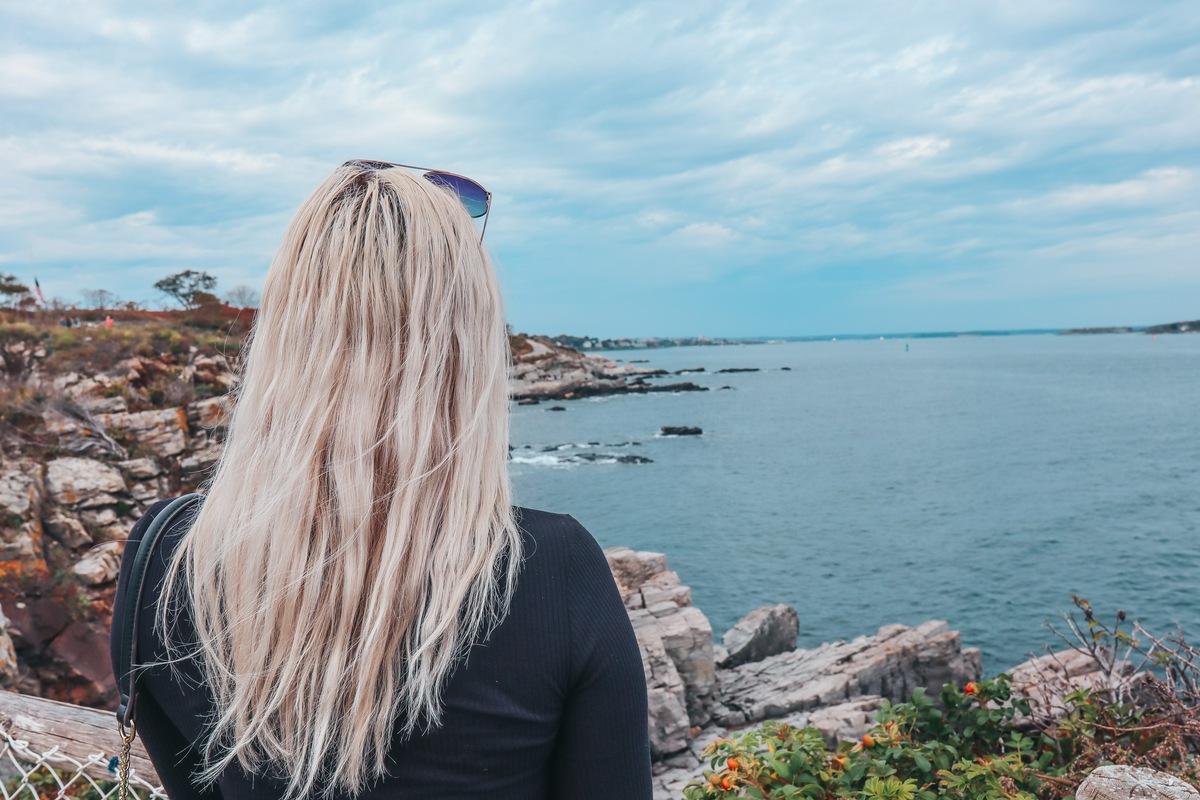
[[38, 286]]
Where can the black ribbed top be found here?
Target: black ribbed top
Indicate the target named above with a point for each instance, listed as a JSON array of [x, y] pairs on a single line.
[[551, 707]]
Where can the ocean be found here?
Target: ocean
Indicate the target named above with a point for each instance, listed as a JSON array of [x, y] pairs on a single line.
[[979, 480]]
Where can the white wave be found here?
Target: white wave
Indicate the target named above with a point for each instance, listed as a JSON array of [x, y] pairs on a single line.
[[542, 460]]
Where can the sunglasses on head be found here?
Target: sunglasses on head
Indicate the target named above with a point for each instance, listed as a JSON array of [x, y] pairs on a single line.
[[476, 199]]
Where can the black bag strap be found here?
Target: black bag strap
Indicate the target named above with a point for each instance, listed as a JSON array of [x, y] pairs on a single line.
[[134, 589]]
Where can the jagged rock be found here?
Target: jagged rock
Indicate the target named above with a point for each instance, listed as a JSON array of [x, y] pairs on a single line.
[[655, 596], [83, 482], [761, 633], [98, 517], [141, 468], [890, 664], [669, 723], [632, 568], [20, 490], [103, 405], [212, 413], [64, 382], [687, 637], [680, 430], [68, 530], [8, 655], [162, 431], [21, 493], [1047, 680], [202, 460], [101, 564], [104, 524], [1114, 782], [147, 491], [665, 587]]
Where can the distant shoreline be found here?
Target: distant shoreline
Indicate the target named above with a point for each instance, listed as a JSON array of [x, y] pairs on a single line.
[[592, 344]]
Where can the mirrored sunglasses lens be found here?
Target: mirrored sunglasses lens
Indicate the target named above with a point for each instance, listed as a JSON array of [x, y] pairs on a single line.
[[472, 195]]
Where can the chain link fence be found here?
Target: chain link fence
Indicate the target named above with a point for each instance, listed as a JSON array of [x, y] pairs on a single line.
[[29, 774]]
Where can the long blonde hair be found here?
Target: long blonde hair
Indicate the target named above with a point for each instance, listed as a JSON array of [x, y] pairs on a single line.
[[358, 534]]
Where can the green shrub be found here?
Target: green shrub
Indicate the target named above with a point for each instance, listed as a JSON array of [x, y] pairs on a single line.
[[965, 747], [981, 742]]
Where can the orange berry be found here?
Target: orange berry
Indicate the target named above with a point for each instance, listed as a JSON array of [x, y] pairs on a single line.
[[726, 784], [868, 740], [716, 779], [732, 763], [971, 688]]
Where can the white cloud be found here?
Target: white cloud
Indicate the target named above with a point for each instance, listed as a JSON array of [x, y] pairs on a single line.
[[1154, 187], [930, 133], [703, 234]]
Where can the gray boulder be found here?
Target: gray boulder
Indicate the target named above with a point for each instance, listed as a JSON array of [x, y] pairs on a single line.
[[101, 564], [761, 633], [891, 664], [83, 482], [161, 431]]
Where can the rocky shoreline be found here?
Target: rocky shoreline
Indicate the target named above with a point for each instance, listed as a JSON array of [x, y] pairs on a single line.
[[83, 452], [544, 370]]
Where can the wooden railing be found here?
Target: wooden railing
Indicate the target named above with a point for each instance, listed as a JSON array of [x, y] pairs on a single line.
[[64, 748]]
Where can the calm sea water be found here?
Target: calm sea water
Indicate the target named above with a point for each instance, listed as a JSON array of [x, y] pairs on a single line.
[[977, 480]]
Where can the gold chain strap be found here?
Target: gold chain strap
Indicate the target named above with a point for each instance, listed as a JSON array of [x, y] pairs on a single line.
[[123, 764]]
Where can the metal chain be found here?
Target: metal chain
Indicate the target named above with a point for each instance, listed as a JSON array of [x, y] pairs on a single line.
[[123, 764]]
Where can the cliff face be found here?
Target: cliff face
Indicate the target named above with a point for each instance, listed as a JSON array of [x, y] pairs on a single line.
[[98, 424]]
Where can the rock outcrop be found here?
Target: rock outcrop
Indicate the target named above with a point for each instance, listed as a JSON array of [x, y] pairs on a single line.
[[101, 564], [83, 482], [667, 624], [543, 370], [163, 431], [890, 664], [761, 633]]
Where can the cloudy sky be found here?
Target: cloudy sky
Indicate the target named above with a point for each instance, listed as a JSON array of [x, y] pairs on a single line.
[[659, 168]]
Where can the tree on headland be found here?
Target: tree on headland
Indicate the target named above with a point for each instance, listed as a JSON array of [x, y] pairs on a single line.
[[185, 286], [242, 297], [99, 298], [12, 291], [203, 299]]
